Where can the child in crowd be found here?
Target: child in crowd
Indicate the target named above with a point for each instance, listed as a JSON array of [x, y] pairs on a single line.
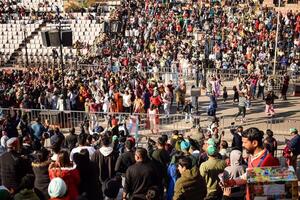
[[187, 109], [225, 94], [235, 94]]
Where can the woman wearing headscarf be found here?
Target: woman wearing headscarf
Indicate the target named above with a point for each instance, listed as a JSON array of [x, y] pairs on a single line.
[[234, 171]]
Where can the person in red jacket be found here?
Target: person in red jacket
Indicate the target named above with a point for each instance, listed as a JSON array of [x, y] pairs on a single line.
[[63, 168], [258, 156]]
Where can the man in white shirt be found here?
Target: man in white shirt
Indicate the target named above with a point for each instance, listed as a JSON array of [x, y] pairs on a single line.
[[127, 101], [82, 138]]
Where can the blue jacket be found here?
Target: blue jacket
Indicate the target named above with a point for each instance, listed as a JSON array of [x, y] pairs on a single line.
[[38, 130], [172, 174], [294, 145]]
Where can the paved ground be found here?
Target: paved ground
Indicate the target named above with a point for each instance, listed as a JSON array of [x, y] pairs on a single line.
[[287, 116]]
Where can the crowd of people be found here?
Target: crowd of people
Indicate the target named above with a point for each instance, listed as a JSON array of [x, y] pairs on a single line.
[[128, 75], [157, 38], [37, 162], [47, 10]]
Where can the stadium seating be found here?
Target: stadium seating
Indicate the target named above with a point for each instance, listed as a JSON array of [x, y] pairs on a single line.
[[13, 34], [17, 35], [84, 31]]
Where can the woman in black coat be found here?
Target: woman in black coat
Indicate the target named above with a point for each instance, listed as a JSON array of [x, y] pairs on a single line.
[[90, 186]]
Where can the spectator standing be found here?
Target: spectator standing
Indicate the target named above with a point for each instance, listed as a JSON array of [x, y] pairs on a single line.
[[12, 166], [40, 169], [270, 103], [57, 189], [261, 87], [237, 138], [190, 185], [125, 160], [161, 156], [294, 146], [38, 129], [71, 140], [82, 144], [242, 106], [26, 189], [210, 170], [234, 171], [89, 186], [270, 142], [105, 159], [10, 126], [3, 146], [140, 176], [64, 169], [259, 156]]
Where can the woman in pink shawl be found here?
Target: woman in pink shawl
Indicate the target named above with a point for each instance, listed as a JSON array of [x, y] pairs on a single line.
[[216, 86]]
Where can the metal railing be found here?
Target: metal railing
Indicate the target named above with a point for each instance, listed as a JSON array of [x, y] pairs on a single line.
[[182, 122], [282, 125], [67, 119]]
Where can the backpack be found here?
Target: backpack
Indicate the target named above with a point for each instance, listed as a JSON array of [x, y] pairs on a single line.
[[111, 187]]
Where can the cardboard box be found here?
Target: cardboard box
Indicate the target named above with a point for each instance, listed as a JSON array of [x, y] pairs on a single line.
[[272, 183]]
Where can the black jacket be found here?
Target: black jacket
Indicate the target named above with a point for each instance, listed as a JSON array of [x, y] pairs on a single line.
[[124, 161], [71, 141], [237, 141], [105, 161], [139, 178], [12, 169], [89, 182]]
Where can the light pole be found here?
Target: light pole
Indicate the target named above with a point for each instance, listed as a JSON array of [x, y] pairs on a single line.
[[276, 41], [197, 84], [110, 44], [61, 54]]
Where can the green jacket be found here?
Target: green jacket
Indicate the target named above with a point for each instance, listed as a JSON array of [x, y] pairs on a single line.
[[190, 186], [26, 195], [210, 170]]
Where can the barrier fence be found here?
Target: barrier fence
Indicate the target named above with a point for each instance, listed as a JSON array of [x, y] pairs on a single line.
[[181, 122], [67, 119]]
